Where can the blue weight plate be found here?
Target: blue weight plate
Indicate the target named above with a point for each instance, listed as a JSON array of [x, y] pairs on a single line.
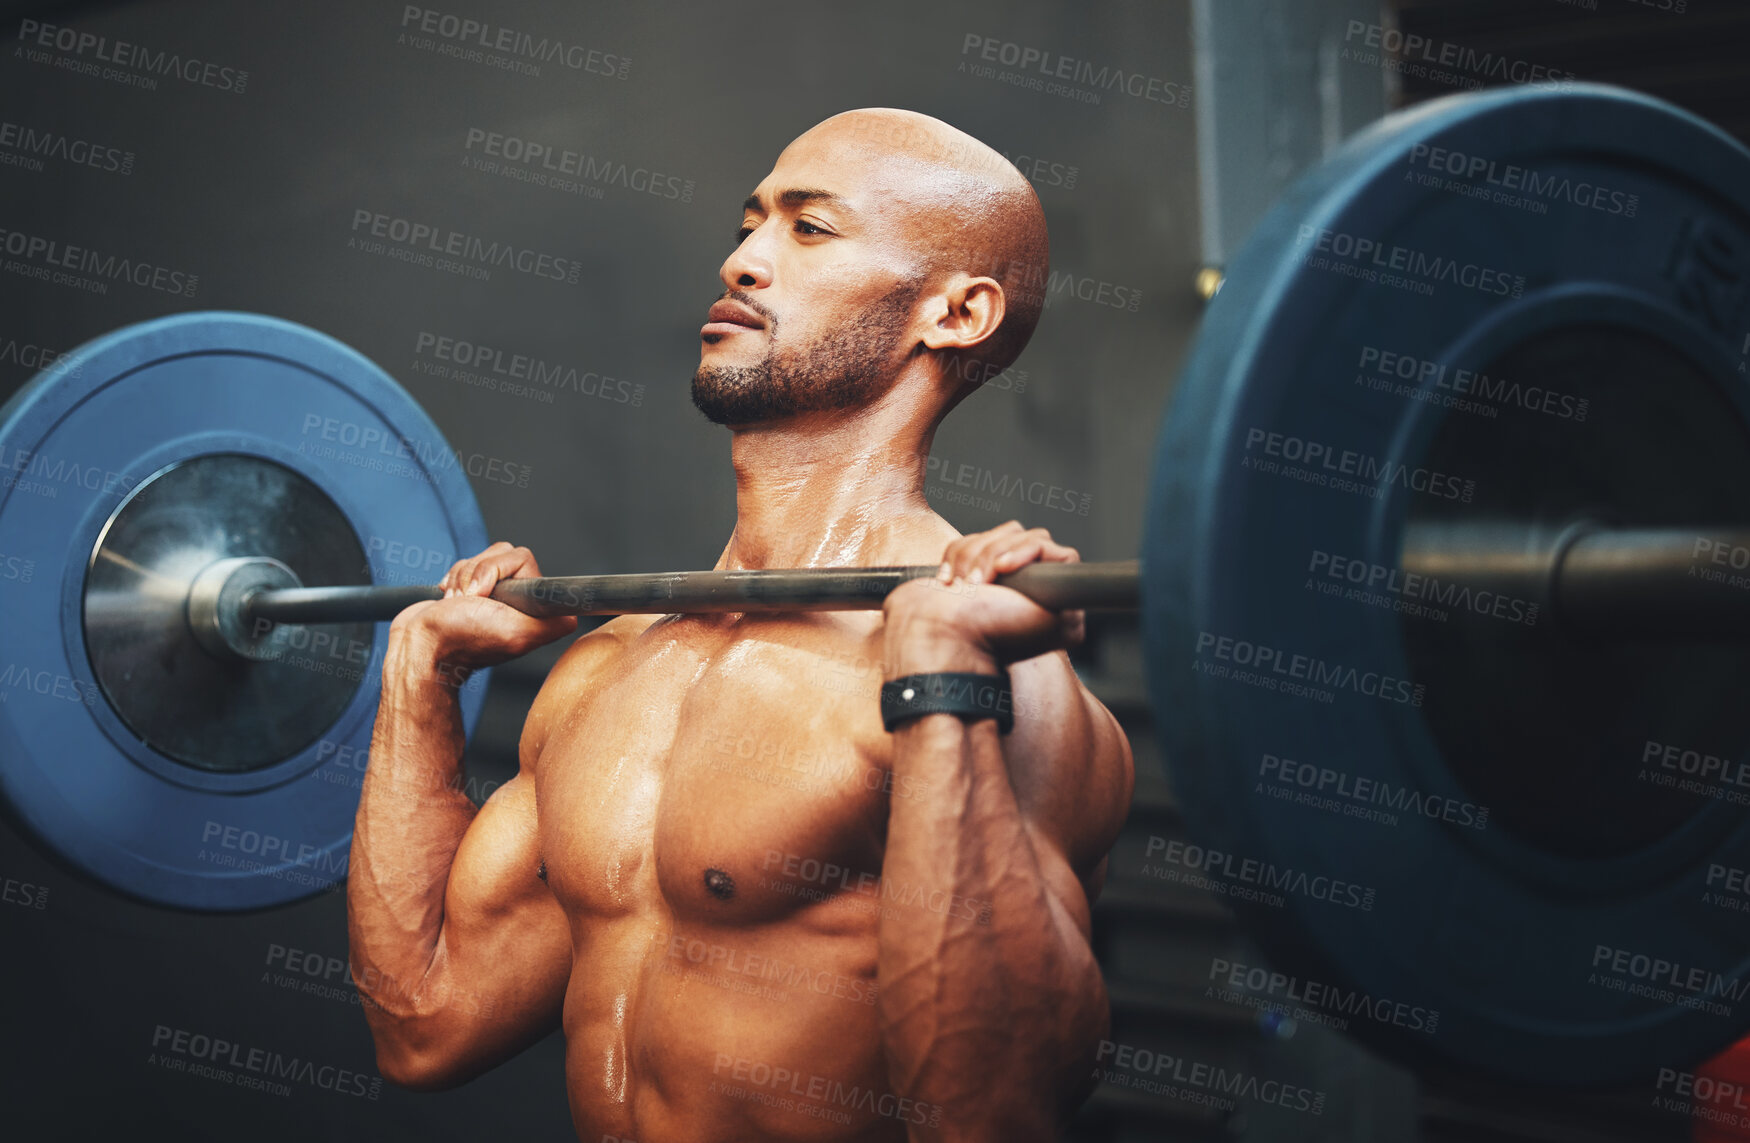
[[1451, 826], [151, 767]]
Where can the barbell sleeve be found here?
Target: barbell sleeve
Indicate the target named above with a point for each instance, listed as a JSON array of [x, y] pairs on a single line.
[[1656, 583], [1105, 586], [1666, 583]]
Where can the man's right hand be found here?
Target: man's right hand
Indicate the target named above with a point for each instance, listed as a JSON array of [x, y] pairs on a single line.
[[468, 630], [461, 949]]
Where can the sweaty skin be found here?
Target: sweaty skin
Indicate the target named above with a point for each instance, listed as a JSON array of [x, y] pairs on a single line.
[[754, 914]]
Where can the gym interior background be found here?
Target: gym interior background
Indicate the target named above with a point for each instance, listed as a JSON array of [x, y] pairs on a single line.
[[261, 192]]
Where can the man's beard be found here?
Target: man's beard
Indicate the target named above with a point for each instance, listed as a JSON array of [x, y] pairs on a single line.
[[847, 368]]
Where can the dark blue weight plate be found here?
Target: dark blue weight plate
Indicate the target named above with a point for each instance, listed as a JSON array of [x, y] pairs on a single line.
[[1449, 822], [172, 442]]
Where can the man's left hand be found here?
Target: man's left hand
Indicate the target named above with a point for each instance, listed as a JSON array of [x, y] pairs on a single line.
[[961, 621]]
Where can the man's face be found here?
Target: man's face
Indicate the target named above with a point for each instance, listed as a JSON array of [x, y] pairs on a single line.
[[820, 289]]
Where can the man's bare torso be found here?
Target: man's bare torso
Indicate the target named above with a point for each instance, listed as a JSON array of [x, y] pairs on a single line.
[[712, 815]]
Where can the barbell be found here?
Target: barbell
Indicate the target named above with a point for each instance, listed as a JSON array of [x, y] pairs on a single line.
[[1444, 590]]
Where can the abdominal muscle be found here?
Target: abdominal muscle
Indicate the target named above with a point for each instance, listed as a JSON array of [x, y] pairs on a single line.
[[712, 1034]]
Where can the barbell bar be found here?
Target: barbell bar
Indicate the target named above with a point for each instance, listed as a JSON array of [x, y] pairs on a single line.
[[1623, 583], [1440, 590], [1110, 586], [1605, 583]]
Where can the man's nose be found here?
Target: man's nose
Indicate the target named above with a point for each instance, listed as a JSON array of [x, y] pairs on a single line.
[[749, 266]]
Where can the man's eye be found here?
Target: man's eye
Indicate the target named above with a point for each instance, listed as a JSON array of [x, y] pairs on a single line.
[[805, 227], [741, 235]]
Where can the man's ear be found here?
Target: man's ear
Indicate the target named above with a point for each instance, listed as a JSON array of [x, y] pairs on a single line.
[[966, 311]]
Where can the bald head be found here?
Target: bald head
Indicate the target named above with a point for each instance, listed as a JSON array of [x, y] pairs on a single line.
[[884, 245], [964, 208]]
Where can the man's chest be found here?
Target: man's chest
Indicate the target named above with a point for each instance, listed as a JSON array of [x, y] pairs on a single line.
[[726, 772]]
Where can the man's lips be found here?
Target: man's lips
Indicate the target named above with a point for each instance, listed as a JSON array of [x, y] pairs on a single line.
[[728, 317]]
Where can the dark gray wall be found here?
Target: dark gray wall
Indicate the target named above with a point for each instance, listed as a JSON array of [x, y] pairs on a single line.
[[1274, 97]]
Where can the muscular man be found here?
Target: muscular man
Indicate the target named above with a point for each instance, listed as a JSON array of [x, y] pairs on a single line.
[[755, 914]]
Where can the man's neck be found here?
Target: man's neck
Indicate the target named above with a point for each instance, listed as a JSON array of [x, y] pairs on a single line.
[[831, 490]]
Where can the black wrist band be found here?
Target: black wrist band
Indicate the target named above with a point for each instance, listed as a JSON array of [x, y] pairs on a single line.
[[971, 695]]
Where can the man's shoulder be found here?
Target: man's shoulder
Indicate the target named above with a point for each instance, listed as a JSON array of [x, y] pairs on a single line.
[[591, 659], [600, 646]]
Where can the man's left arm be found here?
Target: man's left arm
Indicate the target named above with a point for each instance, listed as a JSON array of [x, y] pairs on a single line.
[[991, 1002]]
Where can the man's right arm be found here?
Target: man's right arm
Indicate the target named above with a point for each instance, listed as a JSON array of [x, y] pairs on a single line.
[[459, 949]]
